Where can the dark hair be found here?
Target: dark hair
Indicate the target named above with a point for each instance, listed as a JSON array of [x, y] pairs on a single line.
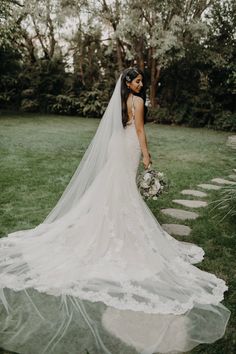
[[129, 75]]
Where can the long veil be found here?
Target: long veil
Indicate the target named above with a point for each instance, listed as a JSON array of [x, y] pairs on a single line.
[[94, 158], [99, 274]]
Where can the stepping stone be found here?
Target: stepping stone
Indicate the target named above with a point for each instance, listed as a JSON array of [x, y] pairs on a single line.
[[232, 177], [194, 192], [190, 203], [222, 181], [180, 214], [176, 229], [209, 186], [231, 142], [234, 169]]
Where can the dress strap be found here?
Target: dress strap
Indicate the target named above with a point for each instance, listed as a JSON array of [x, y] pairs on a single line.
[[133, 108]]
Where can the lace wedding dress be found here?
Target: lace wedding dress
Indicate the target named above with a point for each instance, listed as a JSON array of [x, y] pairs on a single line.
[[100, 275]]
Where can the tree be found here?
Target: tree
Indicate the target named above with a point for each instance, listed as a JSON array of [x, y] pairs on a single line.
[[186, 48], [162, 30]]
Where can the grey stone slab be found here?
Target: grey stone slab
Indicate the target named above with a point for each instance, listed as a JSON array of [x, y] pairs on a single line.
[[193, 192], [234, 169], [231, 141], [190, 203], [176, 229], [232, 177], [180, 214], [209, 186], [222, 181]]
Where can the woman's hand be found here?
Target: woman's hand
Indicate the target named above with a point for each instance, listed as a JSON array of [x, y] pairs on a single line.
[[146, 160]]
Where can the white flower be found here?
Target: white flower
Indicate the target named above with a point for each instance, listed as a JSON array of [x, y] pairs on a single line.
[[153, 191], [146, 176], [154, 198], [144, 185]]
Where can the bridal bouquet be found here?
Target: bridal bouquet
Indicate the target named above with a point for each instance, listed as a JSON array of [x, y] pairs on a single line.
[[151, 183]]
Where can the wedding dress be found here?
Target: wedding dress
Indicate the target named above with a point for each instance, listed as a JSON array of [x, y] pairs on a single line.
[[100, 275]]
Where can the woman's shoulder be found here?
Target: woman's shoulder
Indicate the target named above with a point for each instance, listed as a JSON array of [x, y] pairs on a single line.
[[138, 101]]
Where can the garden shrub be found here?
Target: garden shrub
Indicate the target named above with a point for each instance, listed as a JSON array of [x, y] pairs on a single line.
[[29, 105], [179, 113], [93, 103], [160, 115], [5, 99], [225, 120], [28, 93], [62, 104]]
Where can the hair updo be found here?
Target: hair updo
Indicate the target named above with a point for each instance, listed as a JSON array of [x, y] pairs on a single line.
[[129, 75]]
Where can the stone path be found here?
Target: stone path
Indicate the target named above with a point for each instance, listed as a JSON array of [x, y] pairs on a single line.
[[176, 229], [231, 142], [194, 192], [222, 181], [209, 186], [190, 203], [232, 177], [180, 214]]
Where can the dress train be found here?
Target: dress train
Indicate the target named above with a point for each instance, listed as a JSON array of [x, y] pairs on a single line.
[[106, 277]]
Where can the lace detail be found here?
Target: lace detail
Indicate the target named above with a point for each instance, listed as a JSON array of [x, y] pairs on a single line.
[[134, 297], [130, 294], [131, 121]]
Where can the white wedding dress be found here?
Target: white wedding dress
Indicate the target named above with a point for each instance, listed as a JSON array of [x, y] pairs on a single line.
[[102, 276]]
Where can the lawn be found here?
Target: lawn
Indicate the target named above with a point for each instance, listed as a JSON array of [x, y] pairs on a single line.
[[38, 155]]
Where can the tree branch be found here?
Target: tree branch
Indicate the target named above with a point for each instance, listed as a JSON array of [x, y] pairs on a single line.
[[51, 32], [15, 2], [39, 36], [146, 18]]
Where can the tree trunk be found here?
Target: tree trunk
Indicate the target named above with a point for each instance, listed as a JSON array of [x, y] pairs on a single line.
[[119, 55], [29, 46], [153, 82], [140, 51], [52, 37], [155, 74]]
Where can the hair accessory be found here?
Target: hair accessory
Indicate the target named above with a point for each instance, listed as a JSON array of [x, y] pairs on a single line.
[[128, 78]]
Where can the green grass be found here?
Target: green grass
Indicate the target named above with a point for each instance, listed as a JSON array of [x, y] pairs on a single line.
[[38, 155]]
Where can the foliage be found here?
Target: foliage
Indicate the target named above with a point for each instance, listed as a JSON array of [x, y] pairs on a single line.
[[160, 115], [9, 76], [225, 120], [9, 30], [93, 103], [67, 105], [186, 49], [225, 205], [29, 105]]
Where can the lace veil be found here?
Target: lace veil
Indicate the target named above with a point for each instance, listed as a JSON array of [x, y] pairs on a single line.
[[110, 130]]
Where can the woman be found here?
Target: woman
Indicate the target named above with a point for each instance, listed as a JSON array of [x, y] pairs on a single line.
[[132, 84], [100, 275]]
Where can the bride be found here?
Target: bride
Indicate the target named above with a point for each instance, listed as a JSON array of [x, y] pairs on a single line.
[[99, 274]]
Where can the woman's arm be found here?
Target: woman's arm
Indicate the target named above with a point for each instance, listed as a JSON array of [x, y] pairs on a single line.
[[139, 125]]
